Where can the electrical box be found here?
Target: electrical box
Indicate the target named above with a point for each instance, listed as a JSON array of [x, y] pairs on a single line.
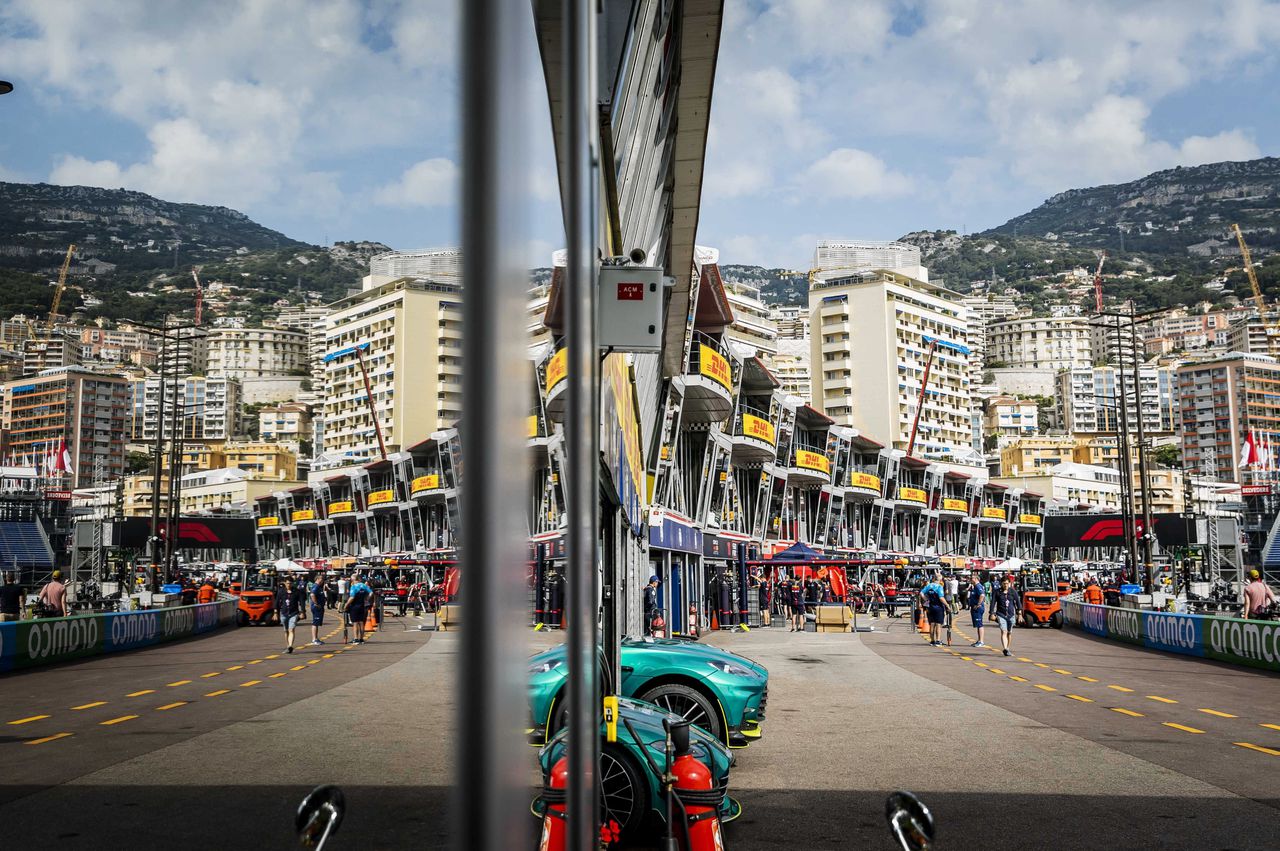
[[629, 308]]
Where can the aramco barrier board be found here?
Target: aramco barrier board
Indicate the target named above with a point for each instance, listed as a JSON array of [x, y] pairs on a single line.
[[1252, 643], [25, 644]]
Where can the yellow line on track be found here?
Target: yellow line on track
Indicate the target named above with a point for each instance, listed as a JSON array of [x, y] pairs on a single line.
[[328, 655], [141, 693], [250, 683], [995, 670], [1040, 665], [171, 706], [1159, 699], [1216, 712], [1087, 679], [967, 658], [297, 667], [1257, 748], [255, 661], [52, 738], [178, 683], [210, 674], [981, 664], [1270, 726], [89, 705], [117, 720], [1122, 688], [235, 667], [274, 676], [1079, 698], [273, 656], [1045, 688], [29, 720], [1128, 712], [1061, 671], [1023, 659], [218, 692], [1181, 727], [1019, 679]]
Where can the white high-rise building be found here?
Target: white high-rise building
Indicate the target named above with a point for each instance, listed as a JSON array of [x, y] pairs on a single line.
[[437, 264], [791, 367], [862, 256], [870, 334], [1088, 400], [751, 323], [257, 352], [1039, 342]]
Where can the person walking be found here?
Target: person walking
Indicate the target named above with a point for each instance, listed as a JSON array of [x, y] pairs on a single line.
[[289, 603], [1092, 591], [933, 599], [651, 608], [977, 602], [53, 597], [11, 597], [318, 597], [1006, 604], [1257, 596], [207, 593], [358, 601], [953, 593]]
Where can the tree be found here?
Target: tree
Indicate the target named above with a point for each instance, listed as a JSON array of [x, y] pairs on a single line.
[[1167, 456], [137, 462]]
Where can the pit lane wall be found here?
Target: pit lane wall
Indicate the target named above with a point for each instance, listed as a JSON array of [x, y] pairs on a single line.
[[1255, 644], [26, 644]]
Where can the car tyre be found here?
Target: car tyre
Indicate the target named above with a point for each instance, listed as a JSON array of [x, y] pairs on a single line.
[[1056, 620], [688, 703], [624, 794], [242, 617]]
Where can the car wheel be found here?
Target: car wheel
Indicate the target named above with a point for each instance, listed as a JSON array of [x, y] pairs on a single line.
[[1056, 620], [624, 796], [688, 703], [242, 619]]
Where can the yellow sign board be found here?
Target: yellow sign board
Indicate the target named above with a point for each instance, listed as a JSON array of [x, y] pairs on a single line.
[[557, 368], [532, 425], [382, 497], [303, 514], [993, 513], [264, 522], [808, 460], [429, 482], [715, 366], [952, 504], [345, 506], [757, 428], [1030, 519], [912, 495], [864, 480]]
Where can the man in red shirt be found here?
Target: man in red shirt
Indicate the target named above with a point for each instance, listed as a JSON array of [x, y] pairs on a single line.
[[54, 596], [1257, 595]]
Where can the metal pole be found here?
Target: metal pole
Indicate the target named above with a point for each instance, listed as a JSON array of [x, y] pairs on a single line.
[[582, 423], [1144, 478], [491, 795], [1126, 465]]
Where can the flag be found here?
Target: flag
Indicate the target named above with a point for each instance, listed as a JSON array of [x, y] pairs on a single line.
[[1248, 452], [64, 458]]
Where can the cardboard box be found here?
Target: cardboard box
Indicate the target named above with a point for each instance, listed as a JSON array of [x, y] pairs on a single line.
[[449, 618]]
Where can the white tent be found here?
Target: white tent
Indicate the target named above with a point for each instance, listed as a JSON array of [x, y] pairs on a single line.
[[285, 565], [1012, 565]]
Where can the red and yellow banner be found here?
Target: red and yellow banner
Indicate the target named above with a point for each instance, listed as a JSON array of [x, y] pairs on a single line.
[[429, 482], [864, 480], [912, 495], [952, 504], [993, 513], [302, 514], [265, 522], [758, 428], [382, 497], [715, 366], [807, 460], [557, 368], [531, 425], [1029, 519], [344, 506]]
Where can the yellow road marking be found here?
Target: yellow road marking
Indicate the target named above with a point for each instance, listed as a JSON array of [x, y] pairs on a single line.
[[995, 670], [1060, 671], [1181, 727], [1160, 699], [1270, 726], [1045, 688], [178, 683], [171, 706], [1019, 679], [141, 693], [218, 692], [52, 738], [1087, 679], [981, 664], [314, 661], [117, 720], [89, 705], [1121, 688], [1258, 748], [1023, 659], [1128, 712], [328, 655], [255, 661], [281, 674], [965, 658], [29, 720], [1216, 712], [250, 683], [210, 674], [235, 667], [1040, 665], [273, 656], [297, 667], [1079, 698]]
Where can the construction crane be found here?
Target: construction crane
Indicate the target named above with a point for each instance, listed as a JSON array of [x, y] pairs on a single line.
[[1268, 326], [57, 293], [1097, 283], [934, 343], [199, 296]]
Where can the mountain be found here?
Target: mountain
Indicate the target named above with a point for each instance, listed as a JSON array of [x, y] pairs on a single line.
[[134, 255], [777, 286]]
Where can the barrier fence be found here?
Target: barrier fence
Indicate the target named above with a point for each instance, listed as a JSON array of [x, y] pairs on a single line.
[[1253, 643], [25, 644]]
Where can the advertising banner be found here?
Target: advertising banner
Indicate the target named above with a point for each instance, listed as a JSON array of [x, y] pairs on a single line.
[[992, 513], [864, 480], [809, 460], [952, 504], [758, 428], [382, 497], [193, 532], [715, 366], [344, 506], [1029, 519], [267, 522], [557, 368], [428, 482], [531, 425], [912, 495], [1107, 530], [302, 514]]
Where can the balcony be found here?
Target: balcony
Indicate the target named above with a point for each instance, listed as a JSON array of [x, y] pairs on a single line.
[[427, 488], [954, 507], [383, 499], [863, 486], [992, 515], [752, 437], [553, 374], [708, 381], [809, 465], [912, 498], [304, 517]]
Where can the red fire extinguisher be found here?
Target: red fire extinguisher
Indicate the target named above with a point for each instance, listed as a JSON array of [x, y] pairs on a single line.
[[554, 819], [695, 791]]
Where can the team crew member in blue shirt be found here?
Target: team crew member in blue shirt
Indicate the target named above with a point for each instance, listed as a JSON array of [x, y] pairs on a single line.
[[935, 608], [977, 606], [358, 603]]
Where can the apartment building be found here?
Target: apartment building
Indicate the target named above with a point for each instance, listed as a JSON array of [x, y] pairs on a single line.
[[208, 408], [1033, 455], [264, 460], [432, 264], [1008, 417], [186, 352], [87, 409], [831, 256], [1253, 335], [1039, 342], [791, 320], [751, 324], [412, 329], [245, 353], [51, 351], [311, 321], [288, 423], [871, 336], [984, 310], [791, 368], [1071, 485], [1220, 402], [1088, 400]]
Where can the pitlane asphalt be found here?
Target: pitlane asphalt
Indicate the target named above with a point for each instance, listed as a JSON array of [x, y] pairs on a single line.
[[1214, 722], [121, 706]]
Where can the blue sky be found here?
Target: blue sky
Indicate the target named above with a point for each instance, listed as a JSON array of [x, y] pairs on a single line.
[[337, 119]]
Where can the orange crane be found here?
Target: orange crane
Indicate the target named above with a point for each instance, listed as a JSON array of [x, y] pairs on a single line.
[[1247, 259], [1097, 283], [57, 293], [199, 296]]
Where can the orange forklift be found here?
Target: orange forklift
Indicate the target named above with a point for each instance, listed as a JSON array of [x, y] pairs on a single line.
[[257, 603], [1041, 604]]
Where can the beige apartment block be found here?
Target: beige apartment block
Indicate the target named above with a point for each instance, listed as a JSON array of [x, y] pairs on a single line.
[[257, 352]]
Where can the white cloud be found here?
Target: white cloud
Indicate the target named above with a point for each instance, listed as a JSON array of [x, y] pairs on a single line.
[[430, 183], [853, 174]]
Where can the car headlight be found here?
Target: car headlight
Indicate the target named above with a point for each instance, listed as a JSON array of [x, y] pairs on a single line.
[[545, 667], [732, 669]]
